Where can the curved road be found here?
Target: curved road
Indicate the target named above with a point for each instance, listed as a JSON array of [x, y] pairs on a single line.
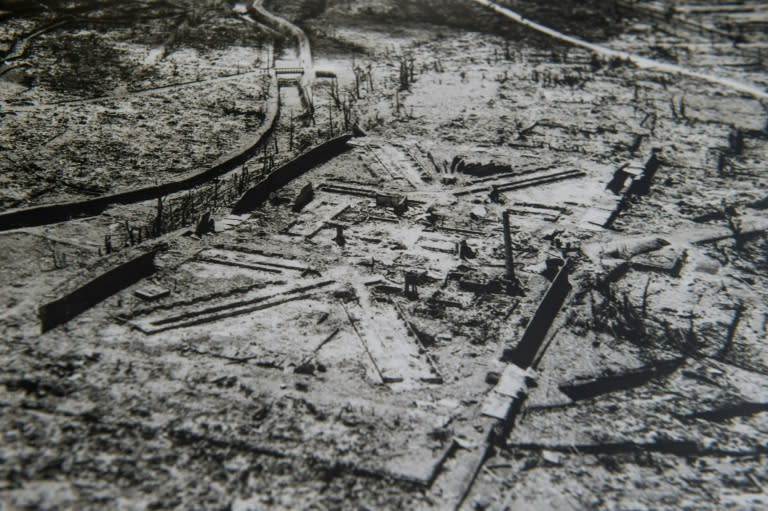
[[258, 11], [641, 62]]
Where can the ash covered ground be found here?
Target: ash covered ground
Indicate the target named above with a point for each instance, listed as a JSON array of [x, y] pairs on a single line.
[[353, 254]]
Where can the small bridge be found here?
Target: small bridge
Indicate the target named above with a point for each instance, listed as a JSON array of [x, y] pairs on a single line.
[[289, 70]]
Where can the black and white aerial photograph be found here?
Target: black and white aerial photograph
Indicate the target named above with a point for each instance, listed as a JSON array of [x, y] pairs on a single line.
[[319, 255]]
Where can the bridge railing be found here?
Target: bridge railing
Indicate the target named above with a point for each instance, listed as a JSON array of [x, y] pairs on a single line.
[[289, 70]]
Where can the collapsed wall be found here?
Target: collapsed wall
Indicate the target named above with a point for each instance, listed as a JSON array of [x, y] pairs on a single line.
[[281, 176], [82, 298], [632, 180], [525, 352]]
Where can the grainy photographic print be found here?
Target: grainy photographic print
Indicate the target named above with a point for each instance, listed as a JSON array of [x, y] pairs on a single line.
[[316, 255]]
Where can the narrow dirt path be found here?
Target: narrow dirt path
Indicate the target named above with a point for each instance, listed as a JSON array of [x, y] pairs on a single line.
[[640, 62]]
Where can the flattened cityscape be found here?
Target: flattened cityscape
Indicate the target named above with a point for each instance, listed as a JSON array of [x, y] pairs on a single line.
[[390, 254]]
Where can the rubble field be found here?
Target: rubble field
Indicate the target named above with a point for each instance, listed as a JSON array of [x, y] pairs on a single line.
[[100, 104], [472, 267]]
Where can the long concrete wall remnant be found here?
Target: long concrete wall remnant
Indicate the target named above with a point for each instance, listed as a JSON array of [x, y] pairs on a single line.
[[256, 196], [61, 310], [61, 212], [524, 353]]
